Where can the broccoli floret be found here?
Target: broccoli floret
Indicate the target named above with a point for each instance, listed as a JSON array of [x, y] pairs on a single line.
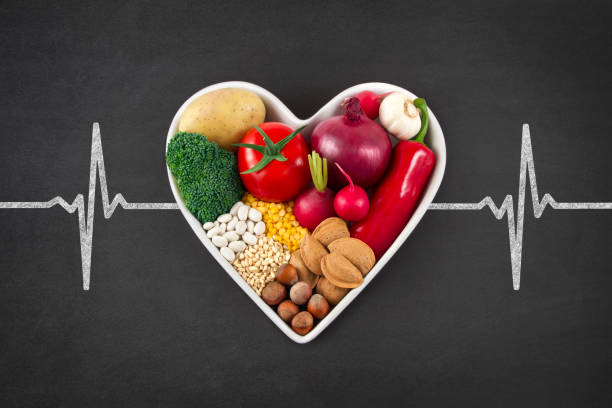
[[206, 175]]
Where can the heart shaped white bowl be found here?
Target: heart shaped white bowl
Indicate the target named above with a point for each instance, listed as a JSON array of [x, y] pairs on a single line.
[[278, 112]]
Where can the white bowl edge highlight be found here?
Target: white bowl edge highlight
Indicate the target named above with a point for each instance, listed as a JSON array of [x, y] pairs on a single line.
[[276, 110]]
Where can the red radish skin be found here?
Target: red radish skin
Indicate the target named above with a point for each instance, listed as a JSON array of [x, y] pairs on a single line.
[[359, 144], [313, 206], [351, 203], [370, 103]]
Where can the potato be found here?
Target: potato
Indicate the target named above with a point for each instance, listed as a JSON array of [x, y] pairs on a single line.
[[223, 116]]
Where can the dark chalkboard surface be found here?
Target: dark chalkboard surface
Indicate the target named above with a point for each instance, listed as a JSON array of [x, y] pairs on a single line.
[[164, 326]]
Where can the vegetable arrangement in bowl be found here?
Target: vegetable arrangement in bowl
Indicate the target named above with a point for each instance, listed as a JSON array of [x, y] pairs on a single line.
[[302, 214]]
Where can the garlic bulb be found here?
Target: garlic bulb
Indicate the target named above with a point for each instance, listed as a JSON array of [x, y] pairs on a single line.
[[399, 116]]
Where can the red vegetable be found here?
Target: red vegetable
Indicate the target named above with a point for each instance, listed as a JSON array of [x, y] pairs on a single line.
[[360, 145], [351, 203], [370, 103], [272, 160], [399, 193], [315, 204]]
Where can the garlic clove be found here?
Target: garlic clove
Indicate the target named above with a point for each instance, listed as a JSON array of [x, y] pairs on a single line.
[[399, 116]]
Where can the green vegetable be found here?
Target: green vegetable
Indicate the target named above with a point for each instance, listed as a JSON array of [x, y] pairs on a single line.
[[422, 106], [206, 175], [318, 171]]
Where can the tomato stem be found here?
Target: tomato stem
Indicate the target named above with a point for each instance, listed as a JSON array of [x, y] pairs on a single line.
[[270, 151]]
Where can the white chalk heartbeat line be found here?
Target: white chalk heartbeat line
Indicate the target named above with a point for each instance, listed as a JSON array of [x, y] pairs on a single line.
[[86, 223], [515, 226]]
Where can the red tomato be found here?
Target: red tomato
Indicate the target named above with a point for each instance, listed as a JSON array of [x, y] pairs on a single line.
[[278, 180]]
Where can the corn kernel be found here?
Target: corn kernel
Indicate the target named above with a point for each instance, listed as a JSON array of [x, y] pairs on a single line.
[[280, 221]]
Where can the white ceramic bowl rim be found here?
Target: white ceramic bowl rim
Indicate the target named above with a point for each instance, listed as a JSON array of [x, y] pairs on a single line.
[[277, 111]]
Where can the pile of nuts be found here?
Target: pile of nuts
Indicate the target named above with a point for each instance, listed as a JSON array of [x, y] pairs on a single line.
[[329, 260], [300, 295], [333, 254], [234, 231], [258, 263]]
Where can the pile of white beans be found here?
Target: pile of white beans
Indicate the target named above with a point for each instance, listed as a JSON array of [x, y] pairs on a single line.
[[234, 231]]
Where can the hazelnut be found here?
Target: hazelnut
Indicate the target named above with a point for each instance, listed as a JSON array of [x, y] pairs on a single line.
[[302, 323], [300, 293], [287, 309], [318, 306], [287, 274], [273, 293]]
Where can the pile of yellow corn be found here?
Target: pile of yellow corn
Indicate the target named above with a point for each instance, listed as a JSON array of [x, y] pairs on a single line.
[[280, 221]]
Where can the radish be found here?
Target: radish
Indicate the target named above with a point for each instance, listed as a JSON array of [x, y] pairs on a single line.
[[351, 203], [370, 103], [315, 204]]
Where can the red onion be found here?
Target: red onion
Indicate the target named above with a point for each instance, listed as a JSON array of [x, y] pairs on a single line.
[[359, 144]]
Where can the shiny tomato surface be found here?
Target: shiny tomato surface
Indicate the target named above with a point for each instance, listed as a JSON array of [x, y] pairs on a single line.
[[279, 180]]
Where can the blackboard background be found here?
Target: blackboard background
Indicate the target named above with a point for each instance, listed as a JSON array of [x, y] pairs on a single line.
[[441, 325]]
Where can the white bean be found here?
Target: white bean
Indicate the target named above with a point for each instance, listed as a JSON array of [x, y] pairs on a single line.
[[222, 228], [219, 241], [232, 224], [251, 226], [241, 226], [259, 228], [228, 254], [208, 225], [231, 236], [237, 246], [212, 232], [243, 212], [249, 238], [235, 207], [254, 215], [224, 218]]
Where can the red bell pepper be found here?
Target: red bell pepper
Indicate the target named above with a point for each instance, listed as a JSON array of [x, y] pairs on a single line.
[[400, 191]]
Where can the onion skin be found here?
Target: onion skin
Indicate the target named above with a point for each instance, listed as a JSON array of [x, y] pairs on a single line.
[[359, 144], [313, 206]]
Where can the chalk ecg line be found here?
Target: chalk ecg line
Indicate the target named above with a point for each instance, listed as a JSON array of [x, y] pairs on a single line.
[[86, 220], [515, 224]]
